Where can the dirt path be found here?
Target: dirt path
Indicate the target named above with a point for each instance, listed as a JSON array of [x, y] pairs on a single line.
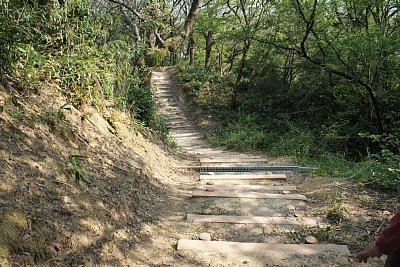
[[220, 252]]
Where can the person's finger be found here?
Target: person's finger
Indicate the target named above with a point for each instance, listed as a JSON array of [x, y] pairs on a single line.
[[362, 260], [362, 257]]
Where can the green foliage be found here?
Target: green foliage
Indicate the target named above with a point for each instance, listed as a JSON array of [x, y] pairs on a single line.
[[382, 169], [17, 114], [77, 170], [318, 139], [243, 133], [67, 46], [196, 78], [320, 84], [141, 103], [203, 86], [84, 53], [142, 107]]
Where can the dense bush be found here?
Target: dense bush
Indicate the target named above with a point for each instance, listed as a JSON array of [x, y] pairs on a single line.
[[86, 53]]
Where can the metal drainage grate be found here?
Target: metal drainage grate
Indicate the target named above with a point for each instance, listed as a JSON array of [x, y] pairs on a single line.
[[253, 169]]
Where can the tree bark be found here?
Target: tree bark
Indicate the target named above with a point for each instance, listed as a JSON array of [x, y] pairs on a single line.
[[240, 74], [190, 50], [173, 43], [209, 44]]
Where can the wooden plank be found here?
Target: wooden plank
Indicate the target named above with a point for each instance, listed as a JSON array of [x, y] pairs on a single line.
[[283, 250], [303, 221], [255, 176], [200, 193], [187, 167], [231, 160], [248, 187]]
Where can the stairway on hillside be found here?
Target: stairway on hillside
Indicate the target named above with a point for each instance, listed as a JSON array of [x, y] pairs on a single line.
[[250, 214]]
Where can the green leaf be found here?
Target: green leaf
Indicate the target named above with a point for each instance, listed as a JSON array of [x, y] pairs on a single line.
[[78, 171], [21, 49]]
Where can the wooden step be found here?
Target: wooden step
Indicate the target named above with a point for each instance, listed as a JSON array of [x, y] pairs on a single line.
[[286, 250], [300, 221], [255, 176], [224, 194], [163, 94], [248, 187], [232, 160]]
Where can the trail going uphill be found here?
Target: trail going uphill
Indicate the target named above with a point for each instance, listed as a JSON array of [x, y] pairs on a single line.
[[246, 211]]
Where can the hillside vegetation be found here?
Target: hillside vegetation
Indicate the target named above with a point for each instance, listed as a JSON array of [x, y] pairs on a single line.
[[318, 80]]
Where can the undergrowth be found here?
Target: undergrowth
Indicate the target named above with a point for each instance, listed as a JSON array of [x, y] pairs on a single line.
[[86, 54], [259, 126]]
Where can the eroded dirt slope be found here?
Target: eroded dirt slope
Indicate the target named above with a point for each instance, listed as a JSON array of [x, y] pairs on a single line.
[[47, 218]]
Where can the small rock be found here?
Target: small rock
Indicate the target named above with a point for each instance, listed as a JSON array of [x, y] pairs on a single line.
[[208, 211], [299, 213], [205, 236], [285, 192], [311, 239], [210, 182], [246, 261], [209, 189]]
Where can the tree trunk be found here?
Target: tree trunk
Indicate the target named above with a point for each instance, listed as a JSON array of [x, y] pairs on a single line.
[[375, 104], [189, 22], [288, 74], [240, 73], [209, 44], [173, 43], [191, 48], [148, 57], [220, 60]]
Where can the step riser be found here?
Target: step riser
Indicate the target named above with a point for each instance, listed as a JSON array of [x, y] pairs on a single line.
[[288, 250], [224, 194], [311, 222]]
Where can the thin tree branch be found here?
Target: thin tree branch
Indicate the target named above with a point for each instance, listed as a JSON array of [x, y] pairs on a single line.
[[137, 14]]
